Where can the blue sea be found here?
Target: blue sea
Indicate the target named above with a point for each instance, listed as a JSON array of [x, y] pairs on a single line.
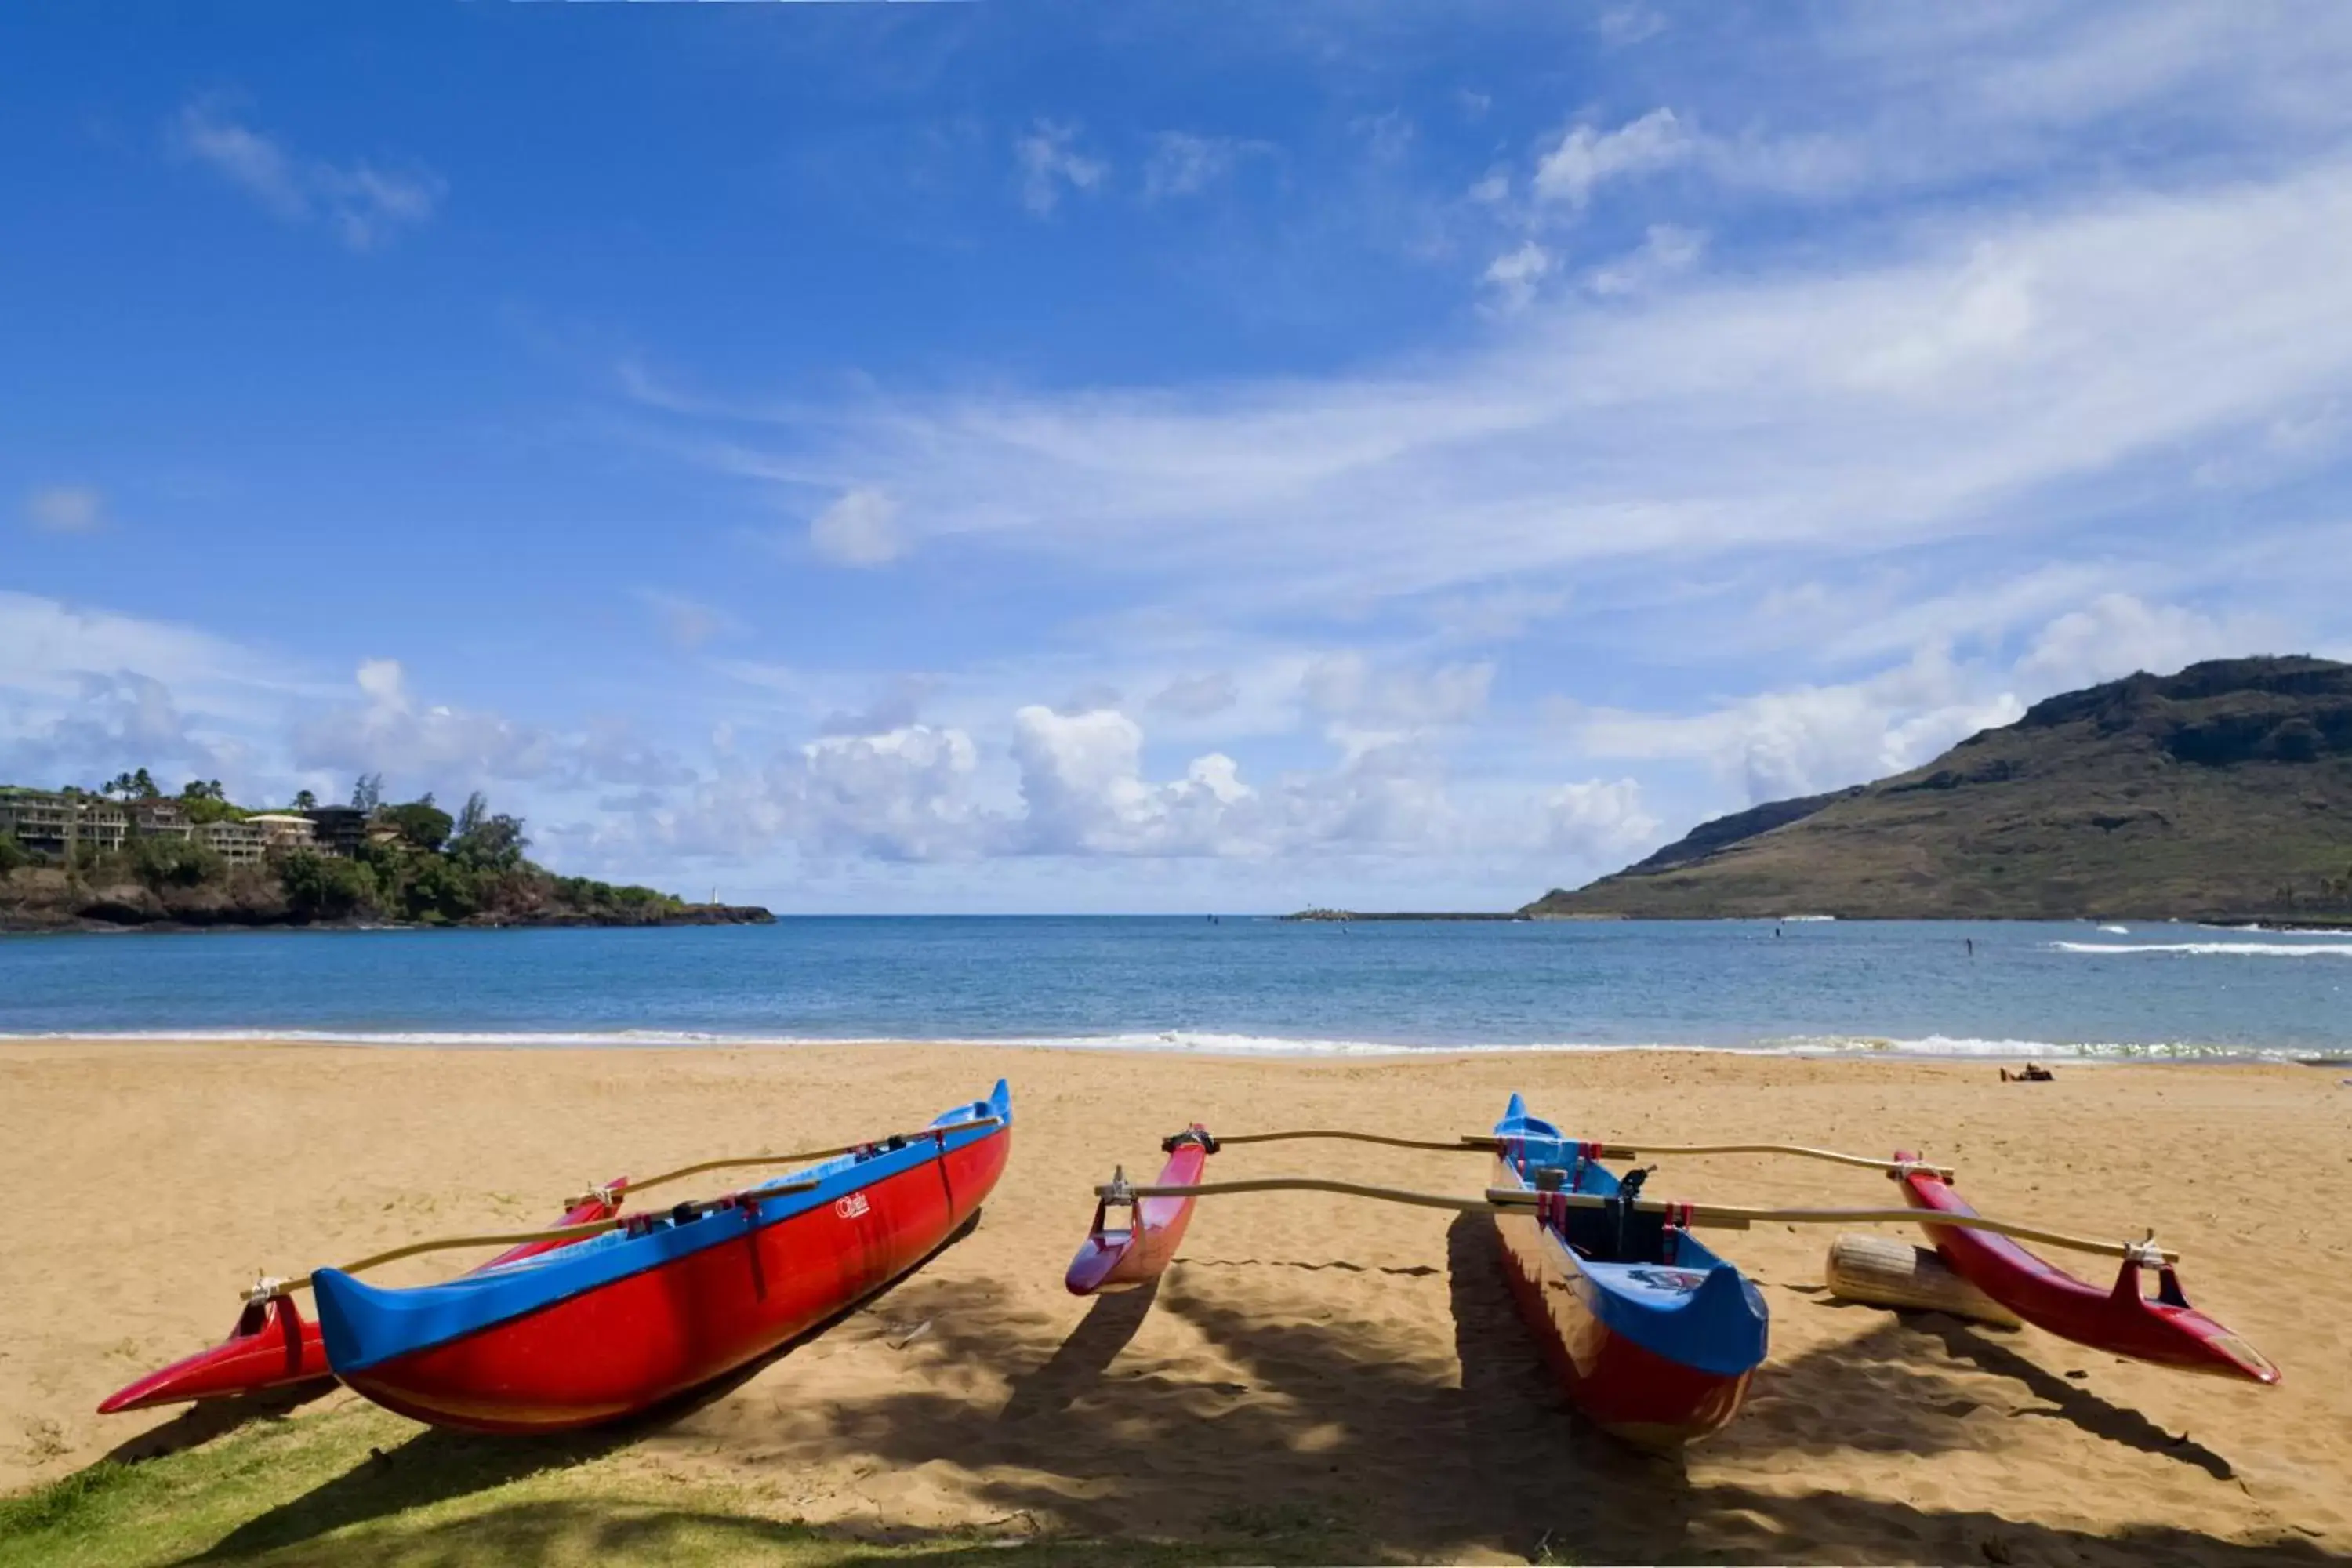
[[1235, 984]]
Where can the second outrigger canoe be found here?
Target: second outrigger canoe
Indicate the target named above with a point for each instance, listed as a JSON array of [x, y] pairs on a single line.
[[622, 1322], [1652, 1335]]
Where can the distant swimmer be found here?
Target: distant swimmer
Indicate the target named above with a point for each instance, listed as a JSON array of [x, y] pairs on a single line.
[[1776, 931], [1972, 945]]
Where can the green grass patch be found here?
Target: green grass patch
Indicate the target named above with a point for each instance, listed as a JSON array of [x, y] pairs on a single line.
[[356, 1484]]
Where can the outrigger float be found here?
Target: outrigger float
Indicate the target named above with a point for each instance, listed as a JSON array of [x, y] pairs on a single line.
[[600, 1319], [1652, 1335]]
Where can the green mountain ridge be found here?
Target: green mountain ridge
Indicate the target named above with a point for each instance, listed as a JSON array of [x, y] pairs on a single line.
[[2223, 792]]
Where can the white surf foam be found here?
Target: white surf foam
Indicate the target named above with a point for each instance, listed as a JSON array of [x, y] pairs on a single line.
[[2202, 948], [1195, 1042], [1203, 1042], [1969, 1049]]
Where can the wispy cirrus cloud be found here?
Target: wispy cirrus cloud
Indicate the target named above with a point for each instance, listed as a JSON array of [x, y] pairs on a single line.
[[362, 204], [2005, 378]]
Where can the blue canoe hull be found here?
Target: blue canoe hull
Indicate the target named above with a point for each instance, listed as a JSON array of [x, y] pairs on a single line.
[[1659, 1348]]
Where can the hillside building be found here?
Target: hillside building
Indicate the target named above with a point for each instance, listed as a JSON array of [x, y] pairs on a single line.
[[159, 819], [58, 827], [285, 830], [338, 829], [240, 843]]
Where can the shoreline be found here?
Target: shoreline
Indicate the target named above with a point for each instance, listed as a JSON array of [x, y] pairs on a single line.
[[1355, 1361], [1213, 1046]]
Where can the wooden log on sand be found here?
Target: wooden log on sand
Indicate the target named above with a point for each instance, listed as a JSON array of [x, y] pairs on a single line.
[[1880, 1271]]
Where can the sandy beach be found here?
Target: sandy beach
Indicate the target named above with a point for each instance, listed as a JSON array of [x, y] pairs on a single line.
[[1308, 1357]]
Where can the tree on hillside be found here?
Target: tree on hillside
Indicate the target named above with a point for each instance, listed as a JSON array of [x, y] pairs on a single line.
[[367, 791], [305, 800], [422, 823], [202, 789], [140, 785], [321, 886], [173, 863], [492, 842]]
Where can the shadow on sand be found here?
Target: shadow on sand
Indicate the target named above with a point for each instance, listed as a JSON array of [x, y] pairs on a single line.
[[1341, 1438], [2071, 1402]]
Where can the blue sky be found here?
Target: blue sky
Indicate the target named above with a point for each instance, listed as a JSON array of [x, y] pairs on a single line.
[[1203, 457]]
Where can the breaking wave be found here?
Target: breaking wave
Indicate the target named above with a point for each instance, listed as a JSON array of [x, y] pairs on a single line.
[[2244, 949]]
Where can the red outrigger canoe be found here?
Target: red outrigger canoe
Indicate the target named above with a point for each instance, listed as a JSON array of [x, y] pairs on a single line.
[[1122, 1258], [2163, 1328], [272, 1345], [625, 1321]]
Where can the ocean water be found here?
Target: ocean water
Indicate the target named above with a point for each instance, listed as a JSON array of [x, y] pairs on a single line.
[[1235, 984]]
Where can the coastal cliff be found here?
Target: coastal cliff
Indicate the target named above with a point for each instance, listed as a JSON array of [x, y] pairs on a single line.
[[45, 898], [2223, 792]]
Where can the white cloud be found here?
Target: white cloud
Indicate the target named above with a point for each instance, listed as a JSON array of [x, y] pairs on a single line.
[[1388, 136], [1988, 382], [1078, 787], [1664, 251], [1622, 26], [47, 647], [362, 204], [1583, 160], [86, 693], [1599, 821], [1923, 99], [2116, 635], [1081, 780], [66, 509], [419, 746], [902, 794], [1803, 740], [1348, 685], [1387, 793], [1184, 164], [115, 720], [860, 529], [1050, 160], [894, 707], [1198, 696], [1495, 615], [1514, 275]]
